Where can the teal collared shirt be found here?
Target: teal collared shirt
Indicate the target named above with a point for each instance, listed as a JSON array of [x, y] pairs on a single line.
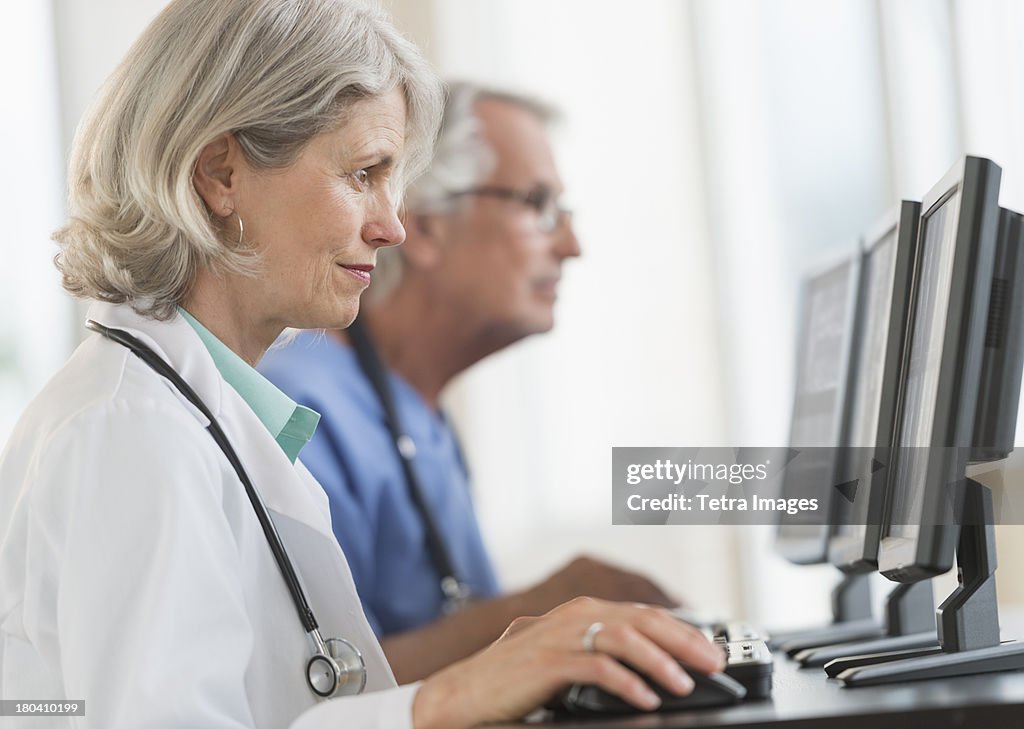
[[290, 424]]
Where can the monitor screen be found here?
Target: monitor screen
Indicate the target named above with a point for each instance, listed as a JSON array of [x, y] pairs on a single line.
[[940, 378], [877, 272], [823, 358], [822, 368], [921, 383], [874, 379]]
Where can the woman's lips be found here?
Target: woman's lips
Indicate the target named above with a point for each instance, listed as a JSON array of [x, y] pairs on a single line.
[[359, 271]]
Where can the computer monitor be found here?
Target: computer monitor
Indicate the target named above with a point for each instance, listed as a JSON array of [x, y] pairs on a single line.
[[827, 317], [968, 617], [941, 371], [886, 269], [995, 421], [967, 621]]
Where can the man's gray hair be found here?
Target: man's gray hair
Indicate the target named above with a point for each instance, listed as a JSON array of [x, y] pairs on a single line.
[[275, 73], [462, 161]]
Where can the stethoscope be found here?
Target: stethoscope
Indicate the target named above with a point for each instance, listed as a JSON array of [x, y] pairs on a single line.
[[456, 592], [336, 668]]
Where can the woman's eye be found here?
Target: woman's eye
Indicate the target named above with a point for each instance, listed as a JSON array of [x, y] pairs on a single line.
[[362, 176]]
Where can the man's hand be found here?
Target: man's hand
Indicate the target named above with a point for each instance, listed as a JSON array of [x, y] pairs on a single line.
[[589, 577]]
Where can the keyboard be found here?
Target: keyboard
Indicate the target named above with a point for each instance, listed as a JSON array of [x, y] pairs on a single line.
[[748, 659]]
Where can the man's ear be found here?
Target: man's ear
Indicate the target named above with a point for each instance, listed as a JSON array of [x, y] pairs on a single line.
[[215, 175], [425, 236]]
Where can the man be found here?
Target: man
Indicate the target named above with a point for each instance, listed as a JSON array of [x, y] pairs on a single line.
[[479, 270]]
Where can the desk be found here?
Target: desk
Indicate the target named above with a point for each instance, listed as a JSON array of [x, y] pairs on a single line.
[[807, 699]]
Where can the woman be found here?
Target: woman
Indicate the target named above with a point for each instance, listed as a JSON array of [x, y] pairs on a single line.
[[235, 177]]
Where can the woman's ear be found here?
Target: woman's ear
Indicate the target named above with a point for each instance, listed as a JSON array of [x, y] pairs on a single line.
[[215, 174]]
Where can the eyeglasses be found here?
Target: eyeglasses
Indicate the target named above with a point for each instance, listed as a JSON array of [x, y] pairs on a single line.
[[550, 213]]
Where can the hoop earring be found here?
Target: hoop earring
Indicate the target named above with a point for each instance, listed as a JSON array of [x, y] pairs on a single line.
[[241, 230]]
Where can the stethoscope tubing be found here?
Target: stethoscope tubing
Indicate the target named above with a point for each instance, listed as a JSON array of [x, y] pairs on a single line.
[[455, 591]]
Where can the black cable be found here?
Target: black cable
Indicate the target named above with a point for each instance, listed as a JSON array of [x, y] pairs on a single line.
[[374, 370]]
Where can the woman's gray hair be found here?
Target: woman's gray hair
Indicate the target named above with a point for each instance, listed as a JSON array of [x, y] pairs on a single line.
[[462, 161], [275, 73]]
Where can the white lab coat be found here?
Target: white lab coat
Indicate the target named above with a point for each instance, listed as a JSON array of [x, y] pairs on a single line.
[[133, 572]]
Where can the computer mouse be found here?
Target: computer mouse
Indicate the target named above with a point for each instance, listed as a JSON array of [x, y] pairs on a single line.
[[710, 690]]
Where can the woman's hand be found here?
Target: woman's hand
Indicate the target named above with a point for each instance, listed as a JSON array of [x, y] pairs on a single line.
[[537, 657]]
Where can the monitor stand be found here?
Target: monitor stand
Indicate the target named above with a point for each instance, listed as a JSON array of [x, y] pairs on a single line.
[[851, 619], [910, 624], [968, 620]]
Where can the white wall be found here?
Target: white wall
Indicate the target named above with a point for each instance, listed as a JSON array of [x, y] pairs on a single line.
[[33, 313], [92, 37]]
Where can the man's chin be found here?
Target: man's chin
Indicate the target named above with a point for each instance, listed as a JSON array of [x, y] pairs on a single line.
[[542, 323]]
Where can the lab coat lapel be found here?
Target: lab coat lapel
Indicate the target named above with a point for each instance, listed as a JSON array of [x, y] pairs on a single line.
[[276, 479]]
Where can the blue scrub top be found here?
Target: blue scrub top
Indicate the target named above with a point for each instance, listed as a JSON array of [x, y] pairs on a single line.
[[353, 457]]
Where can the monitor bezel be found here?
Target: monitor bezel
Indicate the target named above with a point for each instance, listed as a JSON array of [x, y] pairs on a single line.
[[931, 552], [808, 543], [860, 553]]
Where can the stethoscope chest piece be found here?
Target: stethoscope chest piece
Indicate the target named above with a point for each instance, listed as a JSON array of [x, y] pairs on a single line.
[[339, 672]]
